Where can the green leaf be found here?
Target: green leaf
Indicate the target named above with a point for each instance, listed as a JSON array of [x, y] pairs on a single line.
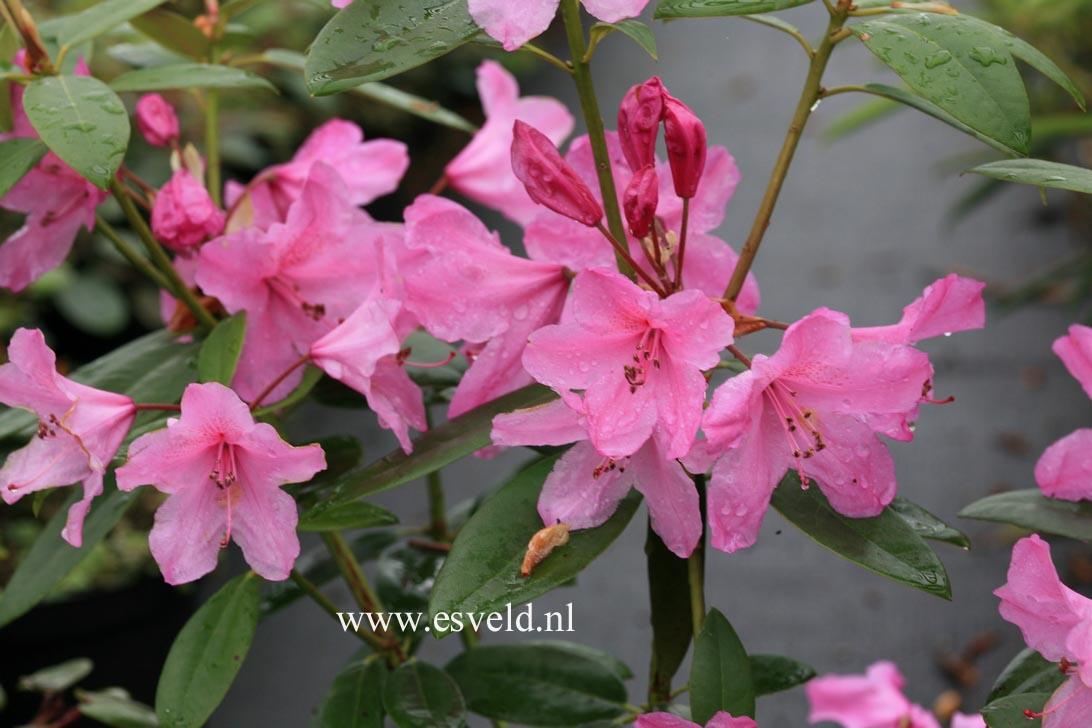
[[418, 695], [188, 75], [481, 574], [926, 525], [94, 304], [869, 113], [670, 9], [80, 27], [57, 678], [346, 516], [82, 121], [3, 699], [371, 40], [1040, 173], [886, 544], [219, 355], [17, 157], [440, 446], [173, 31], [1029, 672], [720, 672], [51, 559], [638, 32], [115, 707], [535, 684], [957, 65], [355, 699], [776, 673], [1032, 510], [404, 576], [1008, 712], [672, 622], [207, 654]]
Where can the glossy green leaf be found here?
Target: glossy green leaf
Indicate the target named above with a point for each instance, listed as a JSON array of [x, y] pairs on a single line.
[[345, 517], [82, 121], [71, 30], [637, 31], [1008, 712], [371, 40], [1029, 672], [535, 684], [886, 544], [926, 525], [1032, 510], [959, 66], [188, 75], [207, 654], [51, 559], [418, 695], [404, 576], [440, 446], [57, 678], [669, 600], [584, 652], [94, 304], [482, 572], [116, 708], [219, 355], [173, 31], [1040, 173], [776, 673], [864, 115], [17, 157], [720, 672], [355, 699], [670, 9]]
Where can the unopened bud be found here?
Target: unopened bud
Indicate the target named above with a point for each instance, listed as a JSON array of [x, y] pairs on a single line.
[[184, 216], [640, 200], [686, 146], [639, 118], [157, 121], [549, 179]]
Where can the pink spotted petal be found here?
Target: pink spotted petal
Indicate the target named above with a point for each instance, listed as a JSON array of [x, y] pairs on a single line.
[[562, 356], [949, 305], [189, 526], [1065, 470], [1070, 706], [620, 420], [513, 24], [671, 497], [855, 471], [1075, 351], [695, 329], [573, 494]]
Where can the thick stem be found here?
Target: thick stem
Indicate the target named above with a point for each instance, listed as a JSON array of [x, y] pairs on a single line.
[[812, 92], [695, 568], [589, 104], [212, 145], [437, 510], [351, 572], [127, 251], [329, 607]]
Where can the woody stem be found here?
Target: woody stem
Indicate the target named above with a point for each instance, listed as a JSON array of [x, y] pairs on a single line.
[[437, 510], [127, 251], [280, 378], [330, 608], [695, 570]]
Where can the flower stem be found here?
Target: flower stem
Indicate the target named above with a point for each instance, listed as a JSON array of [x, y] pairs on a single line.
[[682, 244], [624, 256], [280, 378], [589, 104], [437, 510], [812, 92], [695, 568], [329, 607], [212, 145], [350, 570], [137, 260]]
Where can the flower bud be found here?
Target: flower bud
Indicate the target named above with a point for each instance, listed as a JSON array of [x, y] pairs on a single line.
[[640, 200], [184, 216], [157, 120], [685, 136], [549, 179], [639, 118]]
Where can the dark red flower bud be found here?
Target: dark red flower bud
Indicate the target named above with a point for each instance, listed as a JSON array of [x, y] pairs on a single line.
[[639, 119], [549, 179], [640, 200], [686, 146]]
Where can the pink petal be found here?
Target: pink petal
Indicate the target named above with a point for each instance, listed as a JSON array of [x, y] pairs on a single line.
[[663, 720], [360, 341], [949, 305], [575, 495], [960, 720], [680, 395], [550, 237], [816, 348], [611, 11], [77, 512], [549, 424], [1070, 706], [859, 701], [561, 356], [40, 245], [29, 380], [265, 528], [695, 329], [922, 718], [671, 497], [397, 401], [620, 420], [855, 470], [735, 410], [189, 526], [1065, 470], [725, 720], [608, 303], [42, 463], [708, 268], [513, 24], [1075, 351]]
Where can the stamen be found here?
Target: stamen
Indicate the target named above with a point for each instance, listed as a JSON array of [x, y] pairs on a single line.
[[291, 292]]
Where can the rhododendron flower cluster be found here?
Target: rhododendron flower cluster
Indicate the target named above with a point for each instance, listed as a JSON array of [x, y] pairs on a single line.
[[1065, 470]]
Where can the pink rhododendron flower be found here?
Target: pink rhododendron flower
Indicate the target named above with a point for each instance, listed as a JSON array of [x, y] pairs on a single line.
[[515, 23], [872, 700], [341, 3], [808, 406], [156, 120], [585, 488], [961, 720], [184, 216], [223, 473], [463, 284], [364, 353], [1056, 622], [79, 429], [370, 169], [637, 358], [1065, 470], [670, 720], [56, 200], [296, 280], [482, 171]]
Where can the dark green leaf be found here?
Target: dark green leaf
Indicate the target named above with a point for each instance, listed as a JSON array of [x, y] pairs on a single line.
[[959, 66], [188, 75], [640, 33], [207, 654], [537, 685], [720, 672], [3, 699], [355, 699], [115, 707], [173, 31], [1032, 510], [371, 40], [868, 113], [926, 525], [576, 649], [94, 304], [51, 559], [1009, 712], [1040, 173], [77, 28], [885, 544], [776, 673], [418, 695], [219, 355], [670, 9], [57, 678], [82, 121], [672, 622], [346, 516], [481, 574], [405, 575], [17, 157], [1029, 672]]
